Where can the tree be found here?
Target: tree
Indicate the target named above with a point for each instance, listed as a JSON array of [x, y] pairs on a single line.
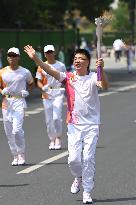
[[17, 13], [120, 21], [90, 9], [46, 13]]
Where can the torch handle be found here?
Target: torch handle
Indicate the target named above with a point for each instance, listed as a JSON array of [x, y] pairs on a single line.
[[99, 39], [99, 73]]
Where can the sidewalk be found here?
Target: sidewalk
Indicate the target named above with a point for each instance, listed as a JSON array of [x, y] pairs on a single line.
[[110, 64]]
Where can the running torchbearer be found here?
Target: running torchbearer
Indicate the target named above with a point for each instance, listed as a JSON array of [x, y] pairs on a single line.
[[52, 95], [83, 116], [14, 81]]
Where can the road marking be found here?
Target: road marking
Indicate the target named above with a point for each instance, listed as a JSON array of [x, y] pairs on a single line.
[[107, 93], [118, 90], [32, 112], [124, 88], [43, 163], [40, 109]]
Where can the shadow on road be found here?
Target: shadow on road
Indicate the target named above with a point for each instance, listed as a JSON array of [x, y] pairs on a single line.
[[13, 185], [112, 200]]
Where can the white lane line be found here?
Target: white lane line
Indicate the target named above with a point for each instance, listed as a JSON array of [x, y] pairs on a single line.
[[126, 88], [32, 112], [40, 109], [107, 93], [41, 164], [118, 90], [35, 111]]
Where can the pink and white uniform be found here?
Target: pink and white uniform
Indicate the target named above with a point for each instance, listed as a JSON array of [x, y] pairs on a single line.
[[83, 118]]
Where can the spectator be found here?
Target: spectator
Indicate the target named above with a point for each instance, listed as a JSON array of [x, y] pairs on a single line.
[[1, 55], [130, 52], [118, 45], [61, 55], [83, 44]]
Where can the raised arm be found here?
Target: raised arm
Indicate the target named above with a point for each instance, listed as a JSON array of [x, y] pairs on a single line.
[[48, 69]]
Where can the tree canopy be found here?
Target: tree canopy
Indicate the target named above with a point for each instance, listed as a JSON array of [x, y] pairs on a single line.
[[46, 13], [121, 20]]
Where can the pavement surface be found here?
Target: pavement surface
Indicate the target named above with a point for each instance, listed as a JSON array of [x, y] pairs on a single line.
[[46, 179]]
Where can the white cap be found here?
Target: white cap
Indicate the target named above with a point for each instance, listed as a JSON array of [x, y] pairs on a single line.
[[49, 48], [14, 50]]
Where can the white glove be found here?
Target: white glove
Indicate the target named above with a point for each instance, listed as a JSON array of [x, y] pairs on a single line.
[[24, 93], [5, 91], [45, 88]]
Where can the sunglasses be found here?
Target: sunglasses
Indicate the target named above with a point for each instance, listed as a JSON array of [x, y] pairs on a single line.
[[12, 55], [49, 52]]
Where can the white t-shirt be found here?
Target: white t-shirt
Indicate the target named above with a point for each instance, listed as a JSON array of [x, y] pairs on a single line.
[[118, 45], [54, 85], [16, 81], [82, 98]]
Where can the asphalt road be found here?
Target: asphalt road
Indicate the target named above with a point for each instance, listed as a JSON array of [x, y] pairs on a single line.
[[46, 179]]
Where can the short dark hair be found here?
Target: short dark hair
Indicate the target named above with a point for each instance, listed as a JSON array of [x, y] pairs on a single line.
[[86, 53]]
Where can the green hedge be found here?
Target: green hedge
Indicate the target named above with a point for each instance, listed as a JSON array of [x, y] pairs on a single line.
[[16, 38]]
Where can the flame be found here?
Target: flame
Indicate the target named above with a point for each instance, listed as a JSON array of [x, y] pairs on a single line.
[[104, 19], [107, 15]]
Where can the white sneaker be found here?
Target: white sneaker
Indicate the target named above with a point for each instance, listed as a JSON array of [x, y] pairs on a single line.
[[57, 143], [51, 145], [21, 159], [87, 198], [75, 187], [57, 146], [15, 161]]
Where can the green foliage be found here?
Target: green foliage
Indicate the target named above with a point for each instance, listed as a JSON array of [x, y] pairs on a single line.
[[121, 21], [17, 13], [90, 8], [46, 13]]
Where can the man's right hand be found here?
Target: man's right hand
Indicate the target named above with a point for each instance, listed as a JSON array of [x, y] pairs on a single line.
[[30, 51]]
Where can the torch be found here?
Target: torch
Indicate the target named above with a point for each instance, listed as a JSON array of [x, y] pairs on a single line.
[[100, 23]]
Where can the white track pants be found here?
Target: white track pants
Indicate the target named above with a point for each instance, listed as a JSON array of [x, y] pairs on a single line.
[[81, 146], [53, 116], [14, 131]]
